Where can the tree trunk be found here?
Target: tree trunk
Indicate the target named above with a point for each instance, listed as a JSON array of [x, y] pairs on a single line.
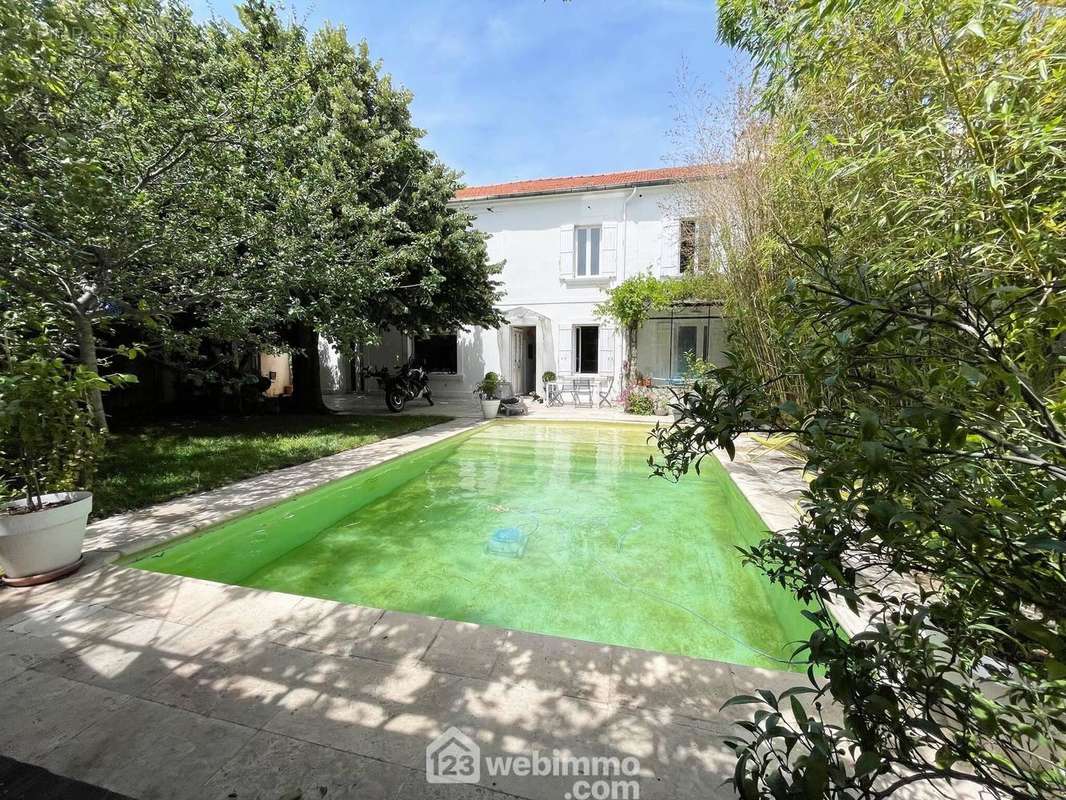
[[306, 376], [631, 356], [87, 356]]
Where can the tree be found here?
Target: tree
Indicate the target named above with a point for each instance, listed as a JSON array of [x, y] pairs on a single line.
[[370, 241], [631, 302], [238, 183], [738, 212], [924, 310], [356, 230], [123, 176]]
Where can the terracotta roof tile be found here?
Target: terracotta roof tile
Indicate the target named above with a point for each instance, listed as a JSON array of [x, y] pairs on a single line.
[[576, 183]]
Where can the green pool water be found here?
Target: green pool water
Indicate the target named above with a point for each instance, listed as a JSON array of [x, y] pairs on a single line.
[[553, 528]]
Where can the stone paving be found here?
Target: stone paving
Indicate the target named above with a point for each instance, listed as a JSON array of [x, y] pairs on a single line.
[[469, 408], [171, 687], [159, 686]]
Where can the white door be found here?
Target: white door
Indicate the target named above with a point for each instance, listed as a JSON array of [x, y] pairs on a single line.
[[518, 360]]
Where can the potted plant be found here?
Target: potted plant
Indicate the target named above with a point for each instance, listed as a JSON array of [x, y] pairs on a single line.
[[488, 393], [49, 443]]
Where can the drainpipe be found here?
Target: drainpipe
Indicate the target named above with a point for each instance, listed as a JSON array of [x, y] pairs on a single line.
[[625, 233], [626, 354]]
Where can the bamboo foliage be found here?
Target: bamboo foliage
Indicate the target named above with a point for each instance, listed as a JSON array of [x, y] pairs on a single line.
[[905, 265]]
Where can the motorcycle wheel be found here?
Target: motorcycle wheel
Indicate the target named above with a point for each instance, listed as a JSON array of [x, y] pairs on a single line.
[[395, 400]]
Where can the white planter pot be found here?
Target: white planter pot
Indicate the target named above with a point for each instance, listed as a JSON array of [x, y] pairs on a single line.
[[43, 541], [490, 408]]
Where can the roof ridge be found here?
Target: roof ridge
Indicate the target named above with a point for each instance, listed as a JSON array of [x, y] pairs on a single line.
[[595, 174]]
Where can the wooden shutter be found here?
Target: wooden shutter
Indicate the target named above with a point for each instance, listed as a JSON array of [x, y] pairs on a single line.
[[609, 248], [566, 350], [606, 355], [566, 251], [669, 249]]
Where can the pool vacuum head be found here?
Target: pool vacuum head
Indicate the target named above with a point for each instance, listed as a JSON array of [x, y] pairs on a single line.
[[508, 542]]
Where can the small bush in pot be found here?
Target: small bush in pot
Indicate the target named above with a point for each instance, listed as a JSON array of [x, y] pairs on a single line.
[[48, 447], [489, 386], [488, 391]]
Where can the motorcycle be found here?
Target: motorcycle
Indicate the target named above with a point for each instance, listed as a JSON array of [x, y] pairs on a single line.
[[409, 382]]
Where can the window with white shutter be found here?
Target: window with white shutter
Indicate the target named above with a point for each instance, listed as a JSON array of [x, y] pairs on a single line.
[[669, 248], [566, 251], [606, 365], [587, 250], [566, 349], [609, 248]]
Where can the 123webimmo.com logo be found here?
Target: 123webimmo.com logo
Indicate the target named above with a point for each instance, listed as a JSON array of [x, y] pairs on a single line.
[[454, 757]]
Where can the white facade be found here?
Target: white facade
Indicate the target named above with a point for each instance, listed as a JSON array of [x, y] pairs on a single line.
[[562, 252]]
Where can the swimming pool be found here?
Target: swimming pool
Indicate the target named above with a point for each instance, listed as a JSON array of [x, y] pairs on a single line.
[[546, 527]]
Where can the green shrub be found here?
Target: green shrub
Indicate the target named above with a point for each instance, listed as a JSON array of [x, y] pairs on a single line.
[[697, 369], [639, 403], [48, 440], [489, 387]]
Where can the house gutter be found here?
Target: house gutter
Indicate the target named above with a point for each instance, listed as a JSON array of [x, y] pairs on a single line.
[[625, 233], [626, 344]]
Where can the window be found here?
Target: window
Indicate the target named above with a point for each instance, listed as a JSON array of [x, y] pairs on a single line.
[[587, 250], [438, 353], [687, 244], [687, 342], [587, 348]]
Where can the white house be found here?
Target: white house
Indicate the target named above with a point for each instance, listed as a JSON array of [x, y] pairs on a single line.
[[566, 241]]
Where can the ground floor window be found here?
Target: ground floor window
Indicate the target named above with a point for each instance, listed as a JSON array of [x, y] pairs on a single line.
[[688, 345], [587, 346], [438, 353]]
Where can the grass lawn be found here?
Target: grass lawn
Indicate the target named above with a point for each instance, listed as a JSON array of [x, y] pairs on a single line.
[[149, 464]]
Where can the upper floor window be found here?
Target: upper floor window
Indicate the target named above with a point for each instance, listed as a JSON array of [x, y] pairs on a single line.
[[687, 245], [438, 353], [587, 250]]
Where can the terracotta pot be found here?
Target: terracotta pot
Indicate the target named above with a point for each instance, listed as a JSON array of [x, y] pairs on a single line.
[[43, 541]]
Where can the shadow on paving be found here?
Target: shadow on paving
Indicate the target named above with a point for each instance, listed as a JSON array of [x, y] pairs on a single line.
[[160, 686], [164, 686], [20, 781]]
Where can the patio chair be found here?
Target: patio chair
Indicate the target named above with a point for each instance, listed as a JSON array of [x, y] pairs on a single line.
[[582, 388], [605, 392], [555, 393], [511, 406]]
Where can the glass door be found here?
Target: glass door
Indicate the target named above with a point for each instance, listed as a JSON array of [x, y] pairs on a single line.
[[687, 342]]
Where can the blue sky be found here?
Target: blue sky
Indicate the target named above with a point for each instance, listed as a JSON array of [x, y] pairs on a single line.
[[514, 89]]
